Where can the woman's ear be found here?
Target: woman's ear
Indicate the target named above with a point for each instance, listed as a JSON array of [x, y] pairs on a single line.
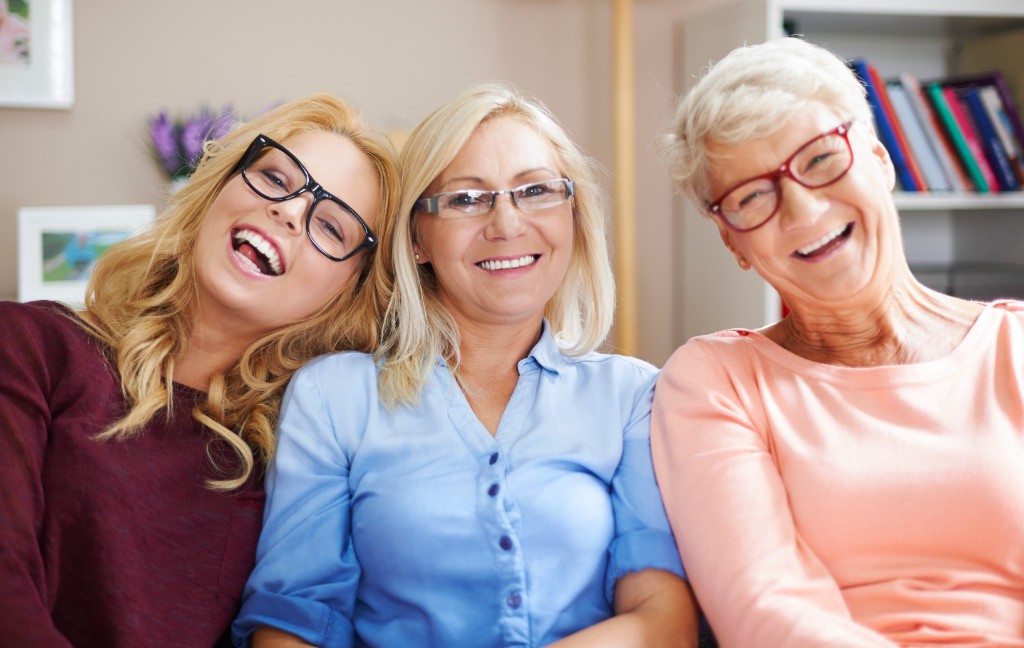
[[417, 250], [418, 254], [881, 156], [726, 235]]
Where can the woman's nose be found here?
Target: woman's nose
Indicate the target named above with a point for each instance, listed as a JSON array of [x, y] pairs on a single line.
[[506, 219], [290, 213], [798, 205]]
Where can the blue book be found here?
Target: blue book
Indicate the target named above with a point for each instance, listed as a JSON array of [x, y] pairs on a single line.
[[885, 129], [990, 142]]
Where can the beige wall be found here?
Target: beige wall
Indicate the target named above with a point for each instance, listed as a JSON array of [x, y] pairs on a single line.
[[395, 58]]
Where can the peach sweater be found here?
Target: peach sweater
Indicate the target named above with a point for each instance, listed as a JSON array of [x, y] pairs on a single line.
[[817, 505]]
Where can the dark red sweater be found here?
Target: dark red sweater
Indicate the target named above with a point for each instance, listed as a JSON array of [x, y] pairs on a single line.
[[116, 543]]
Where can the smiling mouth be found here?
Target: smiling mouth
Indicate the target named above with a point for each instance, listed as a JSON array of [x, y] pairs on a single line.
[[257, 252], [826, 243], [508, 264]]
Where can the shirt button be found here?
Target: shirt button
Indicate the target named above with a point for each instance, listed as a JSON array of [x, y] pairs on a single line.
[[514, 600], [505, 543], [493, 490], [494, 459]]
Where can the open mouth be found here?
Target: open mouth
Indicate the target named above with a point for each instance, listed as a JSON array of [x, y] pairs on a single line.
[[508, 264], [257, 252], [826, 243]]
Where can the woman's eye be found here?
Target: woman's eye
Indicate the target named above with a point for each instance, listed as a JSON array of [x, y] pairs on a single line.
[[275, 178], [466, 200], [538, 189], [749, 198], [817, 159], [329, 229]]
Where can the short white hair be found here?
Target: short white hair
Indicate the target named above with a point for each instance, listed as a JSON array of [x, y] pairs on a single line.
[[750, 94]]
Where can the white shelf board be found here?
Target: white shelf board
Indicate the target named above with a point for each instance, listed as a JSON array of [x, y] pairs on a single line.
[[999, 8], [909, 201]]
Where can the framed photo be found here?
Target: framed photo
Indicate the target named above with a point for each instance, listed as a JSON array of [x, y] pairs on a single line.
[[58, 246], [36, 62]]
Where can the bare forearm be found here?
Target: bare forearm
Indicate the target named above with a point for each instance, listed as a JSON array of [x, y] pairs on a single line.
[[653, 609], [267, 637]]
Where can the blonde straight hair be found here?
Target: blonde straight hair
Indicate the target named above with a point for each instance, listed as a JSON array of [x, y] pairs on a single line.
[[418, 330], [143, 291]]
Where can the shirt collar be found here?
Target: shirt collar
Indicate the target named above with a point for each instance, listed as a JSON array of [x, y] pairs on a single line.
[[546, 353]]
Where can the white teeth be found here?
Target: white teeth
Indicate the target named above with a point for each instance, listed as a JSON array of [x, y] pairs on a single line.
[[506, 264], [824, 240], [265, 247], [247, 261]]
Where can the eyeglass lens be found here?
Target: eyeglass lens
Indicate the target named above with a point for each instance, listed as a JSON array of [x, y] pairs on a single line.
[[276, 176], [819, 162], [531, 197]]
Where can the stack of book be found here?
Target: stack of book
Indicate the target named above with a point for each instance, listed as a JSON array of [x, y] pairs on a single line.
[[957, 134]]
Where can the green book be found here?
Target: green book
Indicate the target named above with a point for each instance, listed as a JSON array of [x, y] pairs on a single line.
[[956, 137]]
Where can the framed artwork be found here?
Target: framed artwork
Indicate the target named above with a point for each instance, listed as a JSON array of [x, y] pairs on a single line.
[[58, 246], [36, 62]]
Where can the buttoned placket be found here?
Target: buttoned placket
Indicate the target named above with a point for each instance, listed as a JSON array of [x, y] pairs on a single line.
[[497, 509]]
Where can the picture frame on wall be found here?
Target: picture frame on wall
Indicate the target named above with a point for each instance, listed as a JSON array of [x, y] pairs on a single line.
[[36, 57], [59, 246]]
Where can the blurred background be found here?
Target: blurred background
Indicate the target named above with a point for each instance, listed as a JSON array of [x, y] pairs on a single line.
[[396, 59]]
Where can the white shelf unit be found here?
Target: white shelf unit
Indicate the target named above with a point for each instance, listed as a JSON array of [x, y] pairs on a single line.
[[917, 36]]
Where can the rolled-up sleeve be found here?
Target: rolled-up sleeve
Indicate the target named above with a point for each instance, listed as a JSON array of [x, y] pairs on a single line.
[[643, 539], [306, 574]]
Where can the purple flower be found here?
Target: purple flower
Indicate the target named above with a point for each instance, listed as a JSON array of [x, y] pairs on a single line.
[[222, 124], [193, 134], [165, 143], [178, 144]]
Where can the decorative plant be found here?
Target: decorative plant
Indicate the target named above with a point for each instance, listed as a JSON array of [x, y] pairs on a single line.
[[177, 143]]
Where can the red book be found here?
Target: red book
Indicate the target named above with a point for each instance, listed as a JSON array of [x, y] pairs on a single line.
[[901, 138], [970, 136]]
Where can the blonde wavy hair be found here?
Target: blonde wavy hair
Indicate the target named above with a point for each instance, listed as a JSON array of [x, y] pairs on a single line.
[[143, 291], [752, 93], [417, 327]]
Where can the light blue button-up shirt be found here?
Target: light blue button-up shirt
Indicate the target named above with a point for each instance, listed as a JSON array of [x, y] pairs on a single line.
[[416, 527]]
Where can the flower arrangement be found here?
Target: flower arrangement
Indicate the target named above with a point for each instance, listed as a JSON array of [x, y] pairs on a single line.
[[177, 143]]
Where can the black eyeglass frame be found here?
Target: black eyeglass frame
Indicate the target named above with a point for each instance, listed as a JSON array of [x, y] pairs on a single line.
[[319, 194], [430, 204], [784, 171]]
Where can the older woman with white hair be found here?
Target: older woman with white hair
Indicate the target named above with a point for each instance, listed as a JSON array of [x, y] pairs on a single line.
[[853, 474], [487, 481]]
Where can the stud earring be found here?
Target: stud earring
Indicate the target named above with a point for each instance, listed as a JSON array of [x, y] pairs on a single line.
[[744, 264], [417, 257]]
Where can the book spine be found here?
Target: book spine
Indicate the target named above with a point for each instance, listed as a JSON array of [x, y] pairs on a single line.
[[1010, 106], [883, 127], [971, 137], [933, 129], [1001, 123], [919, 141], [952, 129], [991, 147], [901, 138]]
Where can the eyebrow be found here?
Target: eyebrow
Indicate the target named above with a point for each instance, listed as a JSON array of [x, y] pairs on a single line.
[[478, 180]]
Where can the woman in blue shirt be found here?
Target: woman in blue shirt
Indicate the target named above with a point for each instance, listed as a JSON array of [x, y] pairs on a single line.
[[486, 480]]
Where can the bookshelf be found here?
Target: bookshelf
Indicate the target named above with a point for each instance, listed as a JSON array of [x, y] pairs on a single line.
[[949, 238]]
